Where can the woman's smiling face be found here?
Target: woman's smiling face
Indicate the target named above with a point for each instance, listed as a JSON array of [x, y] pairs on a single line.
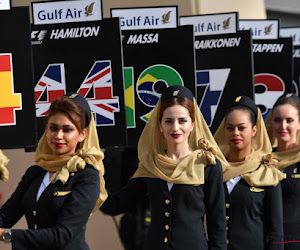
[[62, 135], [176, 124]]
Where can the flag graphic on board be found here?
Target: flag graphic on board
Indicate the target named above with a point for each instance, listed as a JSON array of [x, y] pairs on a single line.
[[51, 85], [103, 103]]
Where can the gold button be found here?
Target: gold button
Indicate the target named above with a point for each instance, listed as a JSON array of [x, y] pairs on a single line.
[[55, 193], [227, 217], [227, 241], [34, 213], [167, 201], [226, 228], [35, 226], [72, 174], [166, 240], [167, 214], [167, 227], [227, 205]]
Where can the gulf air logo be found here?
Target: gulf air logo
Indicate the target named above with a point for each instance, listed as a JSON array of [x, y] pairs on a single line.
[[97, 87], [9, 101], [268, 88], [213, 81]]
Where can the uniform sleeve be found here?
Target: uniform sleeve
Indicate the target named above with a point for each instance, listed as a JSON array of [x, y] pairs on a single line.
[[274, 218], [215, 208], [71, 219], [126, 198], [11, 211]]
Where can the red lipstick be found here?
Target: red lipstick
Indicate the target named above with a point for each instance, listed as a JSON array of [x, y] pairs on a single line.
[[236, 141], [175, 135], [283, 133], [59, 145]]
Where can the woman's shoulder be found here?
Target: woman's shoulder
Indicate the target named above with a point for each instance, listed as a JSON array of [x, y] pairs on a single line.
[[213, 170], [88, 170], [214, 167], [32, 170]]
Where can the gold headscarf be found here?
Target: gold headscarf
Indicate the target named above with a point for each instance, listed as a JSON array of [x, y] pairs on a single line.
[[258, 169], [284, 158], [154, 162], [3, 170], [88, 152]]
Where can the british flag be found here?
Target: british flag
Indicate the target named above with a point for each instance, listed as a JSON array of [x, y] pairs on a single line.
[[103, 103], [51, 85]]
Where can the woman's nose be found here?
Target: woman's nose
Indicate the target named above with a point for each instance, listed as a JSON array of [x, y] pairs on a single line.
[[236, 131], [175, 126], [282, 125], [59, 134]]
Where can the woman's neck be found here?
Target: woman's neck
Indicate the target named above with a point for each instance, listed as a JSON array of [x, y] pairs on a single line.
[[178, 152], [284, 146], [238, 155]]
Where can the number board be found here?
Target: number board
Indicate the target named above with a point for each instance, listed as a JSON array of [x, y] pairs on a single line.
[[153, 60], [86, 58], [224, 70], [17, 115], [273, 71]]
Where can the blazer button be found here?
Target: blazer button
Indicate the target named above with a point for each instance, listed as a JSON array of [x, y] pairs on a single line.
[[226, 228], [55, 193], [167, 227], [167, 214], [166, 240], [227, 217], [227, 241], [35, 226], [34, 213], [227, 205], [167, 201]]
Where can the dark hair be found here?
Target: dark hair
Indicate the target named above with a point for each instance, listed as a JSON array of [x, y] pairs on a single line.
[[183, 101], [252, 115], [288, 99], [73, 110]]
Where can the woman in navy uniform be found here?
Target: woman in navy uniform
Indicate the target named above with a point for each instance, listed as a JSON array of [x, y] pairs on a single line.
[[58, 194], [252, 188], [180, 174], [285, 125]]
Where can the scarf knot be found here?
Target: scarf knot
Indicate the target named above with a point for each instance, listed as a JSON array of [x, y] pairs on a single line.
[[268, 161], [3, 170], [208, 151]]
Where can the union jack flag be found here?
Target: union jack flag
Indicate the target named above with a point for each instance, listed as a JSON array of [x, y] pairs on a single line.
[[103, 103], [51, 85]]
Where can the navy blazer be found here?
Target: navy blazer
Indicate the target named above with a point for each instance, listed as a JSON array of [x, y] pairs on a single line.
[[58, 219], [254, 217], [177, 216], [291, 206]]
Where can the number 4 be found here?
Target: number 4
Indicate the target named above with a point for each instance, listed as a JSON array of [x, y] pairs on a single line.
[[9, 101]]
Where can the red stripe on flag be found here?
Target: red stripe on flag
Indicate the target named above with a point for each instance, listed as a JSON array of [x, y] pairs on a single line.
[[104, 107], [54, 94], [103, 93], [83, 91], [5, 63], [37, 95], [42, 84], [99, 76]]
